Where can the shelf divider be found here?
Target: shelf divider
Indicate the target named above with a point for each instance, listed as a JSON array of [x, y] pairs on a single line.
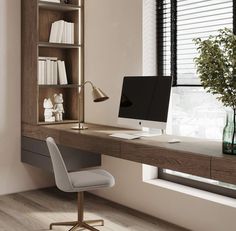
[[61, 122], [58, 86], [58, 6], [59, 45]]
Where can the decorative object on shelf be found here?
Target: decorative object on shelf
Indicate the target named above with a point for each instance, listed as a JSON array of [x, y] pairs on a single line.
[[48, 110], [216, 66], [58, 107], [98, 96]]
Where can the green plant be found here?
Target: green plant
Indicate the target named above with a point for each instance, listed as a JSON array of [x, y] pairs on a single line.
[[216, 67]]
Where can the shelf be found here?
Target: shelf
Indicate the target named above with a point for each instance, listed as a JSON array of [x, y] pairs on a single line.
[[61, 122], [58, 45], [37, 19], [59, 86], [58, 6]]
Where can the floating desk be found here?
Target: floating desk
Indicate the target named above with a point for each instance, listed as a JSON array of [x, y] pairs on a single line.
[[199, 157]]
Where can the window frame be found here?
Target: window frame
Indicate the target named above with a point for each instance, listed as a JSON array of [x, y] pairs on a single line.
[[160, 40], [197, 184], [173, 69]]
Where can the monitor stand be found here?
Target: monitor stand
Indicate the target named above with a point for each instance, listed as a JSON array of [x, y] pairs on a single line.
[[150, 132]]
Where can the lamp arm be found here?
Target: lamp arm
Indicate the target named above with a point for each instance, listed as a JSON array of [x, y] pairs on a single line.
[[79, 107], [86, 82]]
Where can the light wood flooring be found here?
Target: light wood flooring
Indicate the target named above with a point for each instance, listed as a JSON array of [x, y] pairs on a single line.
[[35, 210]]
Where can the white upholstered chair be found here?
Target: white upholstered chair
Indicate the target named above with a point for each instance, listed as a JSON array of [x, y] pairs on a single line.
[[77, 182]]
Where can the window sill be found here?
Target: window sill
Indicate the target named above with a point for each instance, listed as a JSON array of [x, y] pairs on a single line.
[[227, 201]]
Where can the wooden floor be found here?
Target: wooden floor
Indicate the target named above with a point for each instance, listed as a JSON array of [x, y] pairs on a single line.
[[35, 210]]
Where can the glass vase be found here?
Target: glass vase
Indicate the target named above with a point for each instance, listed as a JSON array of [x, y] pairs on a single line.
[[229, 133]]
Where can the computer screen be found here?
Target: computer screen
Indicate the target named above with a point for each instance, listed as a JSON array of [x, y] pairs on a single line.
[[145, 101]]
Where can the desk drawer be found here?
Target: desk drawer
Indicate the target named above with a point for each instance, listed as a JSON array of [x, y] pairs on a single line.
[[36, 160], [35, 152], [224, 169]]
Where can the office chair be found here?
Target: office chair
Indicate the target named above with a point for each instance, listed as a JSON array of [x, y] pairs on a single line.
[[77, 182]]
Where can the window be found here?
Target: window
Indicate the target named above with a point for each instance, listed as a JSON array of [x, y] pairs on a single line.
[[210, 185], [178, 23]]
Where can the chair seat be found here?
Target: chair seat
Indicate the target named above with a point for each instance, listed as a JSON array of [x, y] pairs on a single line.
[[91, 179]]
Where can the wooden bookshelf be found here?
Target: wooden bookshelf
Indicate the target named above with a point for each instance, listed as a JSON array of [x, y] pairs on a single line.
[[37, 18]]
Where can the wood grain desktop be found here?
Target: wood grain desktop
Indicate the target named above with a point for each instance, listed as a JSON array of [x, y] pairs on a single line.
[[199, 157]]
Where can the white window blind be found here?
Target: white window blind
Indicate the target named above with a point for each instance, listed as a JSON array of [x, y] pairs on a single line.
[[167, 37], [194, 19], [149, 37]]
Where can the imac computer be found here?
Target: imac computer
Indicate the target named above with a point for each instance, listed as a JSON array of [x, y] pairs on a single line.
[[145, 101]]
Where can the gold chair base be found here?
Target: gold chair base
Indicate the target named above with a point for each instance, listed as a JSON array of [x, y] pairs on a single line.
[[77, 224]]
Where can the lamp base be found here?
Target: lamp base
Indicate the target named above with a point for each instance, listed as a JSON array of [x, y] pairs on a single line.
[[79, 127]]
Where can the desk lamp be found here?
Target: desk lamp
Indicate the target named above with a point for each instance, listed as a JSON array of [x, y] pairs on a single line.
[[98, 96]]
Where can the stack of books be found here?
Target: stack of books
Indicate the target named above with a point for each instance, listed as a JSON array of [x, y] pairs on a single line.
[[51, 71], [62, 32]]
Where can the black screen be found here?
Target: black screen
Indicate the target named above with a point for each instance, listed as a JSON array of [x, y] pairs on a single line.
[[145, 98]]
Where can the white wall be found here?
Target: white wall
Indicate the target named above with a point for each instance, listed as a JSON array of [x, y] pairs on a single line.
[[114, 49], [14, 176], [113, 38]]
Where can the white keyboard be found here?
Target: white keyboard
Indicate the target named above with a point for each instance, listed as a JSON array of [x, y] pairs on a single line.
[[125, 136]]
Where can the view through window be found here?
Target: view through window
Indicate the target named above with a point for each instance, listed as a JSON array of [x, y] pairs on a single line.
[[194, 112]]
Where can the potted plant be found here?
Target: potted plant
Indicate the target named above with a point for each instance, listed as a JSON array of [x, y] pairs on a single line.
[[216, 67]]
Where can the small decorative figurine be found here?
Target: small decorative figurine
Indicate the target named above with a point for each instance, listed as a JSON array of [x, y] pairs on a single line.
[[48, 110], [58, 106]]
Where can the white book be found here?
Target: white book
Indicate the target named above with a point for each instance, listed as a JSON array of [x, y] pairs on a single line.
[[55, 73], [51, 72], [64, 37], [43, 72], [60, 30], [72, 33], [62, 72], [54, 32], [39, 72], [45, 58], [68, 34], [48, 71]]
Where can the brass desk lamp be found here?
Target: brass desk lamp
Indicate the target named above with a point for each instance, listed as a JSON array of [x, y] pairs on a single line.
[[98, 96]]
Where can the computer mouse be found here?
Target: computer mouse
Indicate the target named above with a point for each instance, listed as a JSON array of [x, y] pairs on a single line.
[[173, 141]]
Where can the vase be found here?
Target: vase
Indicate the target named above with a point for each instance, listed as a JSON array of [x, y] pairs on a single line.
[[229, 133]]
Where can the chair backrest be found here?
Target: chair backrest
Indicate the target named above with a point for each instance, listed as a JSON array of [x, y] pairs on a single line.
[[61, 174]]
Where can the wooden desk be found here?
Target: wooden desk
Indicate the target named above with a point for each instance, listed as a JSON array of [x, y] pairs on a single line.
[[195, 156]]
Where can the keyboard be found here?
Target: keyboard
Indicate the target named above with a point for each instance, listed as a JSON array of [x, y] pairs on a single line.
[[125, 136]]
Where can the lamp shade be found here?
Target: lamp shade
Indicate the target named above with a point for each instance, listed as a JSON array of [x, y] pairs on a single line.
[[99, 95]]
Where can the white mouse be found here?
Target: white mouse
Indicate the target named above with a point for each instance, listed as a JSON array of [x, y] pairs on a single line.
[[173, 141]]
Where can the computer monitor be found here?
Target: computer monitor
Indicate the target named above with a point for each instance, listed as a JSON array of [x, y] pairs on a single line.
[[145, 101]]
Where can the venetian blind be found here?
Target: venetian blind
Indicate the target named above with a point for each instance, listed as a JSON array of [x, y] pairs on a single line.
[[192, 19]]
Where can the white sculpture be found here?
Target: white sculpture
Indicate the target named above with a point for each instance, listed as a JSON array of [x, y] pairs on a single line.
[[58, 106], [48, 110]]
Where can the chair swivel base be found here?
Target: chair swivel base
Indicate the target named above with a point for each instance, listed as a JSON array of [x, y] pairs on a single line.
[[78, 224]]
